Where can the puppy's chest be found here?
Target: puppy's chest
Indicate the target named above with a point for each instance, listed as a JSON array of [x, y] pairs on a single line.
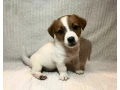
[[71, 56], [66, 56]]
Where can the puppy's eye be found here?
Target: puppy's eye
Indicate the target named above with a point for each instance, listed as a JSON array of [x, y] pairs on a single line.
[[61, 31], [75, 27]]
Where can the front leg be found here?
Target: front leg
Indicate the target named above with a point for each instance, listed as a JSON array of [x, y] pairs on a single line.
[[77, 68], [62, 71]]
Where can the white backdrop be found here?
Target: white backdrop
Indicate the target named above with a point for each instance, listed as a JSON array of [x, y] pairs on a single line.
[[26, 23]]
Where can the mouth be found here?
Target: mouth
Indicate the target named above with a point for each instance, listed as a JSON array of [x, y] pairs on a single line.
[[72, 44]]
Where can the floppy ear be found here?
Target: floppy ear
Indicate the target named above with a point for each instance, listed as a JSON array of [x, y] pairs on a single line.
[[51, 29], [82, 21]]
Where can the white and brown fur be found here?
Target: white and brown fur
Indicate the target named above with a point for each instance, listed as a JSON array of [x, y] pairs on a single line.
[[61, 51]]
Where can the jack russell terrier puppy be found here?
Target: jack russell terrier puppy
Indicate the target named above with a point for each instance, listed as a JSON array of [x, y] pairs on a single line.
[[65, 48]]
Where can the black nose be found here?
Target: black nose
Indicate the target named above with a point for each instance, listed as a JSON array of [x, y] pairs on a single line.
[[71, 39]]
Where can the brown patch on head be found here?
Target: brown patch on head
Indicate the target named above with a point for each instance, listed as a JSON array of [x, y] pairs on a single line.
[[58, 29], [51, 29], [75, 24]]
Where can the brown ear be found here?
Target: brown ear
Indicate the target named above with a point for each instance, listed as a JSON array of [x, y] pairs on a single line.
[[82, 21], [51, 29]]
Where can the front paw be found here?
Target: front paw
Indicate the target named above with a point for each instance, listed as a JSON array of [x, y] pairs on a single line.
[[79, 72], [64, 77]]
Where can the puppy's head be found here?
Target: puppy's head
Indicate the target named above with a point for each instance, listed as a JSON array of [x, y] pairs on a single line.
[[67, 29]]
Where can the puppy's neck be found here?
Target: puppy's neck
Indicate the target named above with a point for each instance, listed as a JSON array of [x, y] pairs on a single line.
[[74, 49], [67, 49]]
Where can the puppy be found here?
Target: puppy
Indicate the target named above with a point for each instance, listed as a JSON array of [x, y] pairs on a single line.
[[64, 48]]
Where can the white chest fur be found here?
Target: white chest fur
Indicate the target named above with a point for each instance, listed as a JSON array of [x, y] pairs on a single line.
[[65, 55], [59, 53]]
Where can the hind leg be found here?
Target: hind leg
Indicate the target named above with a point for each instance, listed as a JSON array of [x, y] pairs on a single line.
[[36, 72]]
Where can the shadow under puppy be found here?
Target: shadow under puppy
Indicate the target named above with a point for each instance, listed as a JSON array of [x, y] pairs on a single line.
[[64, 48]]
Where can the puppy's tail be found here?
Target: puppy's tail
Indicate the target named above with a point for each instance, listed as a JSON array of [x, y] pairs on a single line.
[[25, 58]]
